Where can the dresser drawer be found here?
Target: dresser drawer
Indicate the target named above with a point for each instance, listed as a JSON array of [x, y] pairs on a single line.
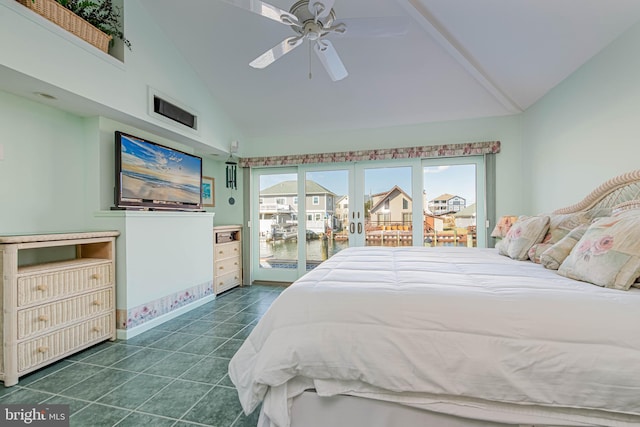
[[40, 287], [227, 281], [39, 319], [64, 341], [229, 265], [226, 250]]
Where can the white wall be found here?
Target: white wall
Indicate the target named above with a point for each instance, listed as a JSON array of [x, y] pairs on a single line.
[[42, 174], [39, 49], [58, 175], [160, 253], [122, 87], [585, 130]]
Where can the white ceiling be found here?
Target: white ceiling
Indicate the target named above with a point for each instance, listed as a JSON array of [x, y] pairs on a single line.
[[460, 59]]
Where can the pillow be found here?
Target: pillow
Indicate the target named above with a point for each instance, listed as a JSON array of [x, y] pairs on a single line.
[[536, 250], [553, 256], [526, 232], [560, 225], [504, 224], [608, 254]]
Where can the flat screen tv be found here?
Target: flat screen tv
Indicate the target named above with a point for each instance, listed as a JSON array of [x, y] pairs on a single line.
[[152, 176]]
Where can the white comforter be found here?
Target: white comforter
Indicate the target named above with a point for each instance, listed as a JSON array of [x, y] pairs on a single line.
[[435, 327]]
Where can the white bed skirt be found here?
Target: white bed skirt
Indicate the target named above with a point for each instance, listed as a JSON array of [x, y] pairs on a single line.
[[311, 410]]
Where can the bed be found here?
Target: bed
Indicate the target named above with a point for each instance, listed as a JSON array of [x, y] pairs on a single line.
[[458, 337]]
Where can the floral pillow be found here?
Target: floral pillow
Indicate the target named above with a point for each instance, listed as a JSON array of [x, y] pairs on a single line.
[[504, 224], [608, 254], [536, 250], [526, 232], [561, 225], [556, 253]]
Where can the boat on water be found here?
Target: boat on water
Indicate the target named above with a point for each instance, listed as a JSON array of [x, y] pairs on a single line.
[[289, 234]]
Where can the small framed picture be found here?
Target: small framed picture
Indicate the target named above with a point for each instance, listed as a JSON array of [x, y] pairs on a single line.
[[208, 192]]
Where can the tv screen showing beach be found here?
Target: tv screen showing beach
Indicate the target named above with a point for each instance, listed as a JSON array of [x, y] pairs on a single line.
[[156, 174]]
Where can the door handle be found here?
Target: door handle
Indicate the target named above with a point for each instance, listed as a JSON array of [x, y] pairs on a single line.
[[352, 228], [359, 228]]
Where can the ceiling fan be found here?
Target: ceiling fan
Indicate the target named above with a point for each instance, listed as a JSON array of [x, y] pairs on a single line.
[[314, 20]]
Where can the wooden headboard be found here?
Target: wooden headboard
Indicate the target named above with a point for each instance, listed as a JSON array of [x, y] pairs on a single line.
[[616, 191]]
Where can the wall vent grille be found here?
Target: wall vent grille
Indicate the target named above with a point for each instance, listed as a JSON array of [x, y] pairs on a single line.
[[173, 112]]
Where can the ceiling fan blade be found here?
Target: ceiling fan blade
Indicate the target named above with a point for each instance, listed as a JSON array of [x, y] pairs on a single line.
[[267, 10], [388, 26], [276, 52], [330, 60], [322, 7]]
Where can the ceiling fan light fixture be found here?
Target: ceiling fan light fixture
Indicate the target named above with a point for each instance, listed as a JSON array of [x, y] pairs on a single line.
[[313, 20]]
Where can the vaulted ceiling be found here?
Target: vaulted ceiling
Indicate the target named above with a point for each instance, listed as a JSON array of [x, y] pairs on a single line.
[[459, 59]]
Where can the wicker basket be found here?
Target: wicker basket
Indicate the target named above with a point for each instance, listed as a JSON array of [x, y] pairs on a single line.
[[63, 17]]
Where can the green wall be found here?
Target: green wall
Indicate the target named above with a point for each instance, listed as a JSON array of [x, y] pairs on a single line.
[[586, 129], [42, 176]]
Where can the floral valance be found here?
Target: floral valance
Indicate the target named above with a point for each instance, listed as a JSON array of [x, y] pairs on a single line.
[[428, 151]]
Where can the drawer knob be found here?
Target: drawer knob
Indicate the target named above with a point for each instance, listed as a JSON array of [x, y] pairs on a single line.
[[96, 302], [96, 329], [43, 349], [43, 318], [221, 283], [220, 252], [221, 267], [95, 276], [235, 249], [41, 287], [235, 263]]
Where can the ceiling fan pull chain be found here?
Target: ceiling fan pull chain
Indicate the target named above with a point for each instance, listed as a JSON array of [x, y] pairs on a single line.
[[309, 43]]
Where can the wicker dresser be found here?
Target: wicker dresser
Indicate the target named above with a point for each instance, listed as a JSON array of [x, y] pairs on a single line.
[[53, 309], [227, 257]]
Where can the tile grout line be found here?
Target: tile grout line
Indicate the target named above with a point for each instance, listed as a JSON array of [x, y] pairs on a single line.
[[242, 305]]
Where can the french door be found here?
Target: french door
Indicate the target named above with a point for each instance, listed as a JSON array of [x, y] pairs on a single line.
[[303, 215]]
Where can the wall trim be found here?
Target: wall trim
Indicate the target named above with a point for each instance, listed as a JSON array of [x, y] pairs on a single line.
[[136, 316], [124, 334]]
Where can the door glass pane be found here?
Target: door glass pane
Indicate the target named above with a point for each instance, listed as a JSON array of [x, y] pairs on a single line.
[[327, 213], [388, 205], [278, 218], [450, 214]]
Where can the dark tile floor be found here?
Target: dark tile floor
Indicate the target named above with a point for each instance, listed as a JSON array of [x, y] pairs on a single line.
[[172, 375]]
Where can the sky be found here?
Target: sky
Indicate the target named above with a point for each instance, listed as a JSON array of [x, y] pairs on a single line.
[[458, 180]]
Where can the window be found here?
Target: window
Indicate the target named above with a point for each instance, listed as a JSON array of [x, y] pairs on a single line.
[[261, 200], [407, 218], [295, 200], [318, 217], [315, 200], [405, 203], [281, 201], [310, 217]]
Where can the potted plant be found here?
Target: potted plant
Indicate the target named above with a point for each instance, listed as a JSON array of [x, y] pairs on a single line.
[[95, 21]]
